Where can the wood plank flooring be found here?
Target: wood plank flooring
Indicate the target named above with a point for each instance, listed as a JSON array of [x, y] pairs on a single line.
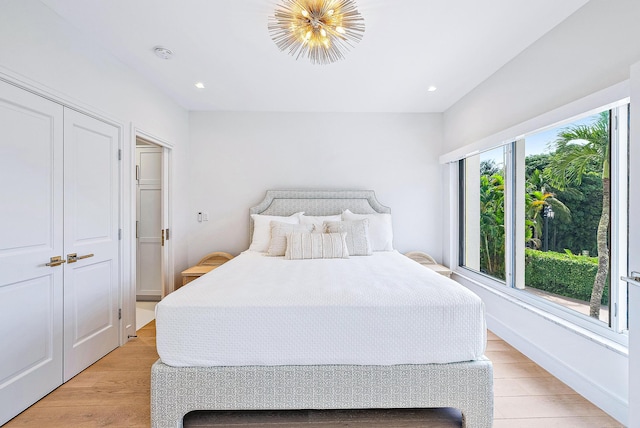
[[114, 392]]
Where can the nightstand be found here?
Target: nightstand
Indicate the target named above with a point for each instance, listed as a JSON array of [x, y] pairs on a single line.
[[429, 262], [205, 265], [194, 272]]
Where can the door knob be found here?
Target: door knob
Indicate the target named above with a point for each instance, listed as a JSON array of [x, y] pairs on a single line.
[[55, 261], [73, 257]]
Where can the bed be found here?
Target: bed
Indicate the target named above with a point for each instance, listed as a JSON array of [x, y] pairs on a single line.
[[323, 340]]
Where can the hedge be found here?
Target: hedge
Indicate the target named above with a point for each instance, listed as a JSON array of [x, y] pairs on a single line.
[[563, 274]]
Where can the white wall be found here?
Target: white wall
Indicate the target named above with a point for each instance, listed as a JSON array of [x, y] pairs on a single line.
[[39, 50], [236, 157], [592, 50]]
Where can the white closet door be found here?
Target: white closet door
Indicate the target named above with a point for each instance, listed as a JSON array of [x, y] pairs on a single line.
[[91, 207], [31, 185], [149, 217]]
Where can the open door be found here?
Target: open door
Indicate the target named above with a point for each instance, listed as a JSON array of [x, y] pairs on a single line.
[[634, 252], [166, 266], [153, 231]]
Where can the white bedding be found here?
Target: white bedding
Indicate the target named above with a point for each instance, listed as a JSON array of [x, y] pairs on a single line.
[[382, 309]]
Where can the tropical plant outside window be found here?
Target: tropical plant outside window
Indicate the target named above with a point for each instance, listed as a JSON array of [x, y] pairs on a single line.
[[567, 199], [484, 229]]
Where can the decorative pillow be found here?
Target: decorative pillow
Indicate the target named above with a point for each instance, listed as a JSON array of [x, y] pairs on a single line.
[[318, 220], [307, 245], [380, 230], [279, 232], [262, 229], [357, 235]]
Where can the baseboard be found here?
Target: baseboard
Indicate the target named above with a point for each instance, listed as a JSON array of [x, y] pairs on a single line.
[[144, 298]]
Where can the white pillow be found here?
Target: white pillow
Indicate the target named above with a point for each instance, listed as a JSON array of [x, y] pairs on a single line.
[[307, 245], [380, 229], [357, 235], [318, 220], [262, 229], [279, 232]]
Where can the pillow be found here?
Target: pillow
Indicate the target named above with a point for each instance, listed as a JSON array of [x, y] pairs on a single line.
[[279, 232], [262, 229], [318, 220], [357, 235], [307, 245], [380, 230]]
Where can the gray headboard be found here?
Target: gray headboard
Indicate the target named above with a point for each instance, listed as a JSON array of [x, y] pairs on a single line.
[[317, 202]]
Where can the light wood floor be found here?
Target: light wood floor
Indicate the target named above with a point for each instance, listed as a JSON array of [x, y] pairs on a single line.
[[115, 392]]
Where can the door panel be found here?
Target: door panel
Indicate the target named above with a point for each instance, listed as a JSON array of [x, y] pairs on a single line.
[[91, 232], [30, 234], [149, 216]]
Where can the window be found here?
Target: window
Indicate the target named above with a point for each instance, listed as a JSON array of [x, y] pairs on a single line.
[[483, 248], [545, 215]]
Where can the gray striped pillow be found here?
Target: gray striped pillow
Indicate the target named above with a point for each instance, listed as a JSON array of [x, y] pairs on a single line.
[[357, 235], [306, 245]]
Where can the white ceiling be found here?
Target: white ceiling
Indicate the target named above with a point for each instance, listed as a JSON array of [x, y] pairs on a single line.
[[408, 46]]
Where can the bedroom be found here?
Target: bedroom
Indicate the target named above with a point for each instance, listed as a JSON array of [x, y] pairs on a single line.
[[209, 148]]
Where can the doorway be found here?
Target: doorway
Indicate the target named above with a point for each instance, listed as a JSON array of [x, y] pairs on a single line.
[[152, 230]]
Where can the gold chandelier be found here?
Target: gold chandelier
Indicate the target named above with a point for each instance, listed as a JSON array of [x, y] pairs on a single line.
[[322, 30]]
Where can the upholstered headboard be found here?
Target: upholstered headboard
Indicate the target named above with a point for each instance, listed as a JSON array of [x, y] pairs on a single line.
[[317, 202]]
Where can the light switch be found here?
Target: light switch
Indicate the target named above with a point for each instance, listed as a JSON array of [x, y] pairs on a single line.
[[205, 216]]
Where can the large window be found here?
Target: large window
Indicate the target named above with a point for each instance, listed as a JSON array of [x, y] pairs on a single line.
[[545, 215]]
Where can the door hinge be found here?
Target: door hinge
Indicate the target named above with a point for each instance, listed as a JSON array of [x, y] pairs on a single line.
[[615, 310], [119, 154], [137, 173], [166, 234], [119, 234], [119, 314]]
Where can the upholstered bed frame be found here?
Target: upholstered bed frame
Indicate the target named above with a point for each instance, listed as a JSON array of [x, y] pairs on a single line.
[[467, 386]]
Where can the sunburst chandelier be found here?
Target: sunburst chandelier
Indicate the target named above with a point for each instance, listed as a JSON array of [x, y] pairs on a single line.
[[321, 30]]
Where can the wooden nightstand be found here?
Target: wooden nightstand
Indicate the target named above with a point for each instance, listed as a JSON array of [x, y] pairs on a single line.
[[205, 265], [429, 262]]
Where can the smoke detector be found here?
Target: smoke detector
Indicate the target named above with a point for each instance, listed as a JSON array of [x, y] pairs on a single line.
[[162, 52]]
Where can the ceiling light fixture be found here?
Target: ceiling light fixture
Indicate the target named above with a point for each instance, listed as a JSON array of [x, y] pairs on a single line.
[[321, 30], [162, 52], [432, 89], [199, 85]]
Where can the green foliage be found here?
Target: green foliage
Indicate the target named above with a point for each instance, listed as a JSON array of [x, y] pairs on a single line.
[[585, 203], [563, 274], [492, 225], [536, 162]]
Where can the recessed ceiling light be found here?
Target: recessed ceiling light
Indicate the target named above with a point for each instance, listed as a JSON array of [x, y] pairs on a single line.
[[431, 89], [200, 85], [162, 52]]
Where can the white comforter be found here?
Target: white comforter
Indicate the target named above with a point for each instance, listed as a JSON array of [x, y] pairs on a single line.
[[370, 310]]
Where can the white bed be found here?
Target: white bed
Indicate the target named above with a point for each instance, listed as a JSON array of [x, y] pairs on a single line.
[[377, 331]]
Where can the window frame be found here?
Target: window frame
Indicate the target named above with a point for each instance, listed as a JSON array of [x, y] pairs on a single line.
[[616, 330]]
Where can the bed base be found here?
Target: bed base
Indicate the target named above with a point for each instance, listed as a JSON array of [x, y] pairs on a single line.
[[467, 386]]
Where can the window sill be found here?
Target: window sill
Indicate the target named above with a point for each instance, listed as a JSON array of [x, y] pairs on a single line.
[[562, 317]]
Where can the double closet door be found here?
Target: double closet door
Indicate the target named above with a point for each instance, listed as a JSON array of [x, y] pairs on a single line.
[[59, 245]]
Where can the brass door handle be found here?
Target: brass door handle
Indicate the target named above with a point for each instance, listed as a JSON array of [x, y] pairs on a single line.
[[73, 257], [55, 261]]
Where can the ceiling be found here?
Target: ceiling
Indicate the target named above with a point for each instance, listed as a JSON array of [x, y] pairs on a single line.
[[408, 46]]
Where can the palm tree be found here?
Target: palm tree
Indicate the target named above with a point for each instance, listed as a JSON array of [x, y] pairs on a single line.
[[537, 198], [580, 149], [492, 224]]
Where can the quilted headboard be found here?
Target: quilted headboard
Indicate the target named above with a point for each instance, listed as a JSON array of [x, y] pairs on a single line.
[[317, 202]]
